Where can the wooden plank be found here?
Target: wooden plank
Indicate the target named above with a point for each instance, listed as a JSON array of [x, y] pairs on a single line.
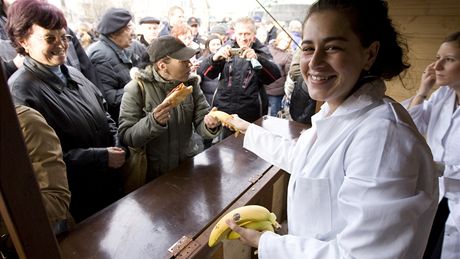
[[21, 206]]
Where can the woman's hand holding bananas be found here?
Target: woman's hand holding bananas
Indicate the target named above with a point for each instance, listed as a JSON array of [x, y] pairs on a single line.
[[244, 223]]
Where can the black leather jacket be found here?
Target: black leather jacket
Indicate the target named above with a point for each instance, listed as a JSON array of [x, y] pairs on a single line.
[[240, 89], [76, 111]]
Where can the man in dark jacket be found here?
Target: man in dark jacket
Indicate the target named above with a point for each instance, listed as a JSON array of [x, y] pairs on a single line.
[[111, 58], [244, 66]]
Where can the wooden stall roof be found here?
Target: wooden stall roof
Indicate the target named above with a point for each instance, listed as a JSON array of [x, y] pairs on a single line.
[[184, 202]]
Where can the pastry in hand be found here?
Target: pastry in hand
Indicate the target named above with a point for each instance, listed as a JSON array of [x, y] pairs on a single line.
[[178, 94]]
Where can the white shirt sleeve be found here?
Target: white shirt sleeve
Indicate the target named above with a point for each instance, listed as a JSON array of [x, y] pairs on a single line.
[[273, 148]]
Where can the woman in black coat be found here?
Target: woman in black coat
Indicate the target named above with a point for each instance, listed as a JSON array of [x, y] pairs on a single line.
[[70, 103]]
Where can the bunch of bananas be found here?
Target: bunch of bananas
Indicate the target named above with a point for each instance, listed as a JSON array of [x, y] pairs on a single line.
[[251, 216]]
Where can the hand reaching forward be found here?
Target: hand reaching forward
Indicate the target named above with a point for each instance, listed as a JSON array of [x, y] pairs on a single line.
[[211, 121]]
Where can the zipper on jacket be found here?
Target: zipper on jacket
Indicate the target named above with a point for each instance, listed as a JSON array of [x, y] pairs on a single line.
[[230, 71], [247, 79]]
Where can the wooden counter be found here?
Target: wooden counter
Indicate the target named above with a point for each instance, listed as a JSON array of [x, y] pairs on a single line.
[[185, 202]]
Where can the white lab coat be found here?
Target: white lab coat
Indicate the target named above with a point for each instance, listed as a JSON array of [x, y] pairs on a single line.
[[439, 119], [362, 182]]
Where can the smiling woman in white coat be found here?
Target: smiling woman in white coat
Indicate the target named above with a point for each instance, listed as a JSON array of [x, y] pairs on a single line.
[[363, 181], [438, 118]]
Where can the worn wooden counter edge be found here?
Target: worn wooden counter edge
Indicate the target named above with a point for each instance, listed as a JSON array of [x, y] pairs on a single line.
[[185, 202]]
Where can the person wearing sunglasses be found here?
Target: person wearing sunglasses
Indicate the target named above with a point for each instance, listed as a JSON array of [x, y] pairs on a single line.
[[70, 103]]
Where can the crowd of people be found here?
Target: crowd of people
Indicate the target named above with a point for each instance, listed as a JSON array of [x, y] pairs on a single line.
[[85, 96]]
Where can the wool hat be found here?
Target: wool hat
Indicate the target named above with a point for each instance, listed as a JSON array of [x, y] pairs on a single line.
[[113, 20], [171, 47], [149, 19]]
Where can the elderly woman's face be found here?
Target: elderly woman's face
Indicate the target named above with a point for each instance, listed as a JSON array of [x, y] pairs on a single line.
[[447, 65], [48, 47], [332, 57]]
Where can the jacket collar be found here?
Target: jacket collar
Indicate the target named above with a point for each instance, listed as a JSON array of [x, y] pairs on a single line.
[[367, 94], [42, 72], [121, 53], [346, 117]]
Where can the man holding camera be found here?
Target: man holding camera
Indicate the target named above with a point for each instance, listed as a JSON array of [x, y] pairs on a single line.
[[244, 66]]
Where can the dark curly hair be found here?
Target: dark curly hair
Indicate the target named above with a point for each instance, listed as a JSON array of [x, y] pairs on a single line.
[[22, 14], [369, 20]]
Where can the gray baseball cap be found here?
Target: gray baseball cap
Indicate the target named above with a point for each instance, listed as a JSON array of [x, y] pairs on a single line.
[[171, 47]]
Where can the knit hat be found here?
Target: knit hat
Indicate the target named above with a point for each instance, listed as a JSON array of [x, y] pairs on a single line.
[[113, 20], [171, 47]]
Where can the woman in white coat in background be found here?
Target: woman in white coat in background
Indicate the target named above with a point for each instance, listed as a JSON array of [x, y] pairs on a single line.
[[438, 118], [363, 181]]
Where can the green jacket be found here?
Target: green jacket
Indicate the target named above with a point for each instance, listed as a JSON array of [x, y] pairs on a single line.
[[167, 146]]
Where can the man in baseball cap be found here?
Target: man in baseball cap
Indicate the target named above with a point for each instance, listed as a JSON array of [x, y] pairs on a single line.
[[169, 133], [171, 47], [194, 24]]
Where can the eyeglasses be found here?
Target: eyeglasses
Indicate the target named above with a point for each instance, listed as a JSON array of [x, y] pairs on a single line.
[[51, 39], [194, 25]]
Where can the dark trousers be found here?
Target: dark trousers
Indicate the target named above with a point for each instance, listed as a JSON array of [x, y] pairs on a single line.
[[434, 246]]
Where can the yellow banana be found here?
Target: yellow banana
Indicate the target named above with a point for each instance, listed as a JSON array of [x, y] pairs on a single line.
[[256, 225], [240, 215]]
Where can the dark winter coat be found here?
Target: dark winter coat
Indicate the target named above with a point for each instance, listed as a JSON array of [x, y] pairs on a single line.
[[240, 88], [76, 112], [112, 66]]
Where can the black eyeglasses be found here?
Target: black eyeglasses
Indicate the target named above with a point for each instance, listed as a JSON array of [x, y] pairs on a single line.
[[194, 25], [51, 39]]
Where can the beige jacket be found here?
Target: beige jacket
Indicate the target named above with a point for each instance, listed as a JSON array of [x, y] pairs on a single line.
[[45, 153]]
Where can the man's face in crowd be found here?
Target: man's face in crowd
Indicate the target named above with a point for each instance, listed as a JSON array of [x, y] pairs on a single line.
[[150, 31], [244, 34]]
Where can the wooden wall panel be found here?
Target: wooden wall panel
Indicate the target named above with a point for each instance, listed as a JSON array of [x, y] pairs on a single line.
[[424, 24]]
